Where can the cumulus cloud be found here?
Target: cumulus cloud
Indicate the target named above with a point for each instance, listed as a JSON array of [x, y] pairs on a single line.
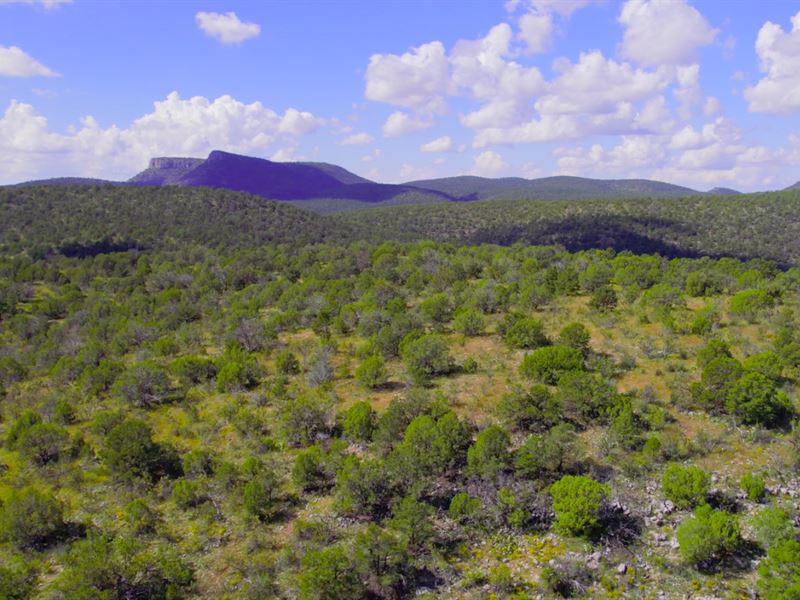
[[14, 62], [536, 31], [400, 123], [418, 79], [779, 54], [663, 32], [227, 27], [176, 126], [488, 164], [440, 144], [357, 139]]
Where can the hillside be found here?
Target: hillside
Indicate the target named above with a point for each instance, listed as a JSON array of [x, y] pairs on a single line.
[[765, 225], [550, 188], [40, 219]]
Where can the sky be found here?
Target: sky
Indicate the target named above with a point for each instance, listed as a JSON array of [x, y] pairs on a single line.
[[699, 93]]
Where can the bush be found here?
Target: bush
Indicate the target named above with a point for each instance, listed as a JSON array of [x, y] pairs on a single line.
[[260, 496], [32, 519], [327, 574], [604, 299], [464, 507], [686, 487], [535, 410], [488, 457], [123, 568], [756, 401], [303, 419], [469, 321], [772, 525], [192, 370], [426, 357], [139, 517], [130, 452], [750, 303], [362, 488], [575, 335], [548, 364], [198, 463], [708, 535], [779, 573], [371, 373], [359, 422], [577, 501], [526, 333], [547, 454], [311, 471], [753, 485], [186, 493], [25, 421], [286, 362], [44, 443], [767, 364], [144, 385]]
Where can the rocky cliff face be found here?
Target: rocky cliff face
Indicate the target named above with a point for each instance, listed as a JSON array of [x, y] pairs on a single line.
[[166, 170], [167, 162]]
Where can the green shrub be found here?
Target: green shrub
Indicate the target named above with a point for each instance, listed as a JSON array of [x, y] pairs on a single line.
[[756, 401], [44, 443], [286, 362], [100, 567], [575, 335], [469, 321], [748, 304], [708, 535], [767, 364], [535, 410], [303, 418], [260, 496], [464, 507], [545, 455], [426, 357], [604, 299], [526, 333], [139, 517], [359, 422], [32, 519], [773, 525], [21, 424], [144, 385], [198, 463], [488, 457], [753, 485], [327, 574], [779, 572], [577, 501], [311, 471], [686, 487], [549, 363], [371, 373], [186, 493], [130, 452]]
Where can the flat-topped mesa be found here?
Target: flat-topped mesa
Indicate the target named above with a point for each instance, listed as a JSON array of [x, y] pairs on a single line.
[[171, 162]]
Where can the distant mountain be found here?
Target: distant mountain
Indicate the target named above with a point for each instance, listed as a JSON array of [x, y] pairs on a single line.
[[550, 188], [795, 186], [273, 180], [330, 188], [166, 171], [723, 191], [63, 181]]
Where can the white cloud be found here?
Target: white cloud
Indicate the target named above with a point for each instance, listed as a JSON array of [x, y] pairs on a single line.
[[779, 54], [505, 87], [14, 62], [357, 139], [401, 123], [536, 30], [441, 144], [227, 28], [711, 106], [177, 127], [488, 164], [418, 79], [663, 32]]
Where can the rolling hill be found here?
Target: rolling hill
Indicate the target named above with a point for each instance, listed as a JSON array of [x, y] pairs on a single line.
[[550, 188]]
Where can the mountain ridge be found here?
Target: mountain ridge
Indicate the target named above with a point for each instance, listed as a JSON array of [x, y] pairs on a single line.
[[334, 186]]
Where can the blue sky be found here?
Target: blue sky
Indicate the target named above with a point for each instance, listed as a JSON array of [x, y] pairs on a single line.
[[698, 93]]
